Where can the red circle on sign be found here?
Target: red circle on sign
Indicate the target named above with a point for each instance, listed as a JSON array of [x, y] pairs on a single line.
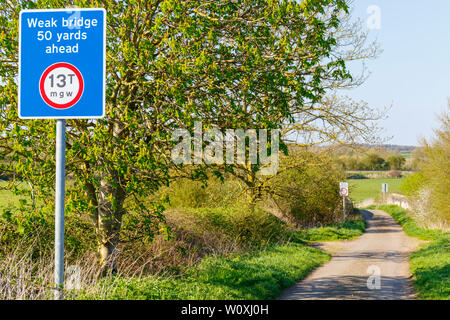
[[80, 81], [343, 191]]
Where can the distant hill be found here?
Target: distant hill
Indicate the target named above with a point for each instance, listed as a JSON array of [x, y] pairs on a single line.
[[403, 150], [393, 147], [356, 149]]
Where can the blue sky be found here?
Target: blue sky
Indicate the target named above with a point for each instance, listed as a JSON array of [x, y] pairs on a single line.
[[413, 71]]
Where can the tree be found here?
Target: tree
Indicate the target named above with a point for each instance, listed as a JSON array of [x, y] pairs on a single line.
[[304, 190], [169, 63], [326, 117], [373, 161], [396, 162], [436, 171]]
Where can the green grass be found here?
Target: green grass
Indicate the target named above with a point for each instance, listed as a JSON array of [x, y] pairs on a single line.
[[9, 199], [409, 225], [258, 275], [406, 155], [430, 266], [337, 231], [362, 189]]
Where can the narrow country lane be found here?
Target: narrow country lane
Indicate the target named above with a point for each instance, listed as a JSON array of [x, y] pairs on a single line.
[[383, 249]]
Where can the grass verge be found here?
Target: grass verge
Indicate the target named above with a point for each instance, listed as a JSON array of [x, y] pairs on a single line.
[[352, 228], [409, 225], [430, 266], [258, 275]]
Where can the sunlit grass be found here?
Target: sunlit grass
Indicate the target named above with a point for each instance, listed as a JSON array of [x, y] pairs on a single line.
[[258, 275], [362, 189], [10, 199], [333, 232]]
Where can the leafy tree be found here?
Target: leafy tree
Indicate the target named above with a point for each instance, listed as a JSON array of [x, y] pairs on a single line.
[[412, 184], [352, 164], [373, 161], [396, 162], [324, 117], [436, 170]]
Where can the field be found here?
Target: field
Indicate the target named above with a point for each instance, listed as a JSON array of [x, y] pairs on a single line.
[[362, 189]]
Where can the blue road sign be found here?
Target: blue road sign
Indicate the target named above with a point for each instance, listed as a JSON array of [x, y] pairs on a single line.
[[62, 54]]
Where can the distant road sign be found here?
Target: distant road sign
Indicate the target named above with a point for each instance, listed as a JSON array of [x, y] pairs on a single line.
[[343, 189], [343, 192], [62, 63], [384, 187]]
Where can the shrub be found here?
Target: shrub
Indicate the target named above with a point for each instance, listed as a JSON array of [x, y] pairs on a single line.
[[24, 227], [394, 174], [412, 184], [435, 173], [185, 193], [396, 162], [306, 189], [357, 176], [245, 225]]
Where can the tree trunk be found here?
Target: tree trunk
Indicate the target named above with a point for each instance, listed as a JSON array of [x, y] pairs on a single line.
[[251, 181], [110, 212], [108, 254], [111, 197]]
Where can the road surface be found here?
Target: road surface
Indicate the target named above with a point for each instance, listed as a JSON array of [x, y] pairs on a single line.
[[374, 266]]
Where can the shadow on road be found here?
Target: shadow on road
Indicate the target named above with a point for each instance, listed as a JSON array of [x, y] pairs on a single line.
[[351, 287]]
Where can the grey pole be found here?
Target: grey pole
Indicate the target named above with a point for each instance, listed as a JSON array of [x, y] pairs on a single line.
[[59, 206], [343, 205]]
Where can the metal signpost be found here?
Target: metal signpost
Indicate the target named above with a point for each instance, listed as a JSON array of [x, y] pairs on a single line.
[[62, 67], [343, 191], [384, 189]]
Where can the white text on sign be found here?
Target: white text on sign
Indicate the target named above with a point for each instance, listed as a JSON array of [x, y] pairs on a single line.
[[69, 23]]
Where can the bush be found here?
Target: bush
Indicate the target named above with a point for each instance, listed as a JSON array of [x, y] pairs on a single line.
[[246, 226], [357, 176], [394, 174], [412, 184], [185, 193], [306, 189], [24, 227], [434, 176]]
